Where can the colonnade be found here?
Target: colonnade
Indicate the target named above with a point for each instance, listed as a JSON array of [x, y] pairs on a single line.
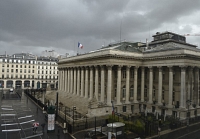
[[90, 81]]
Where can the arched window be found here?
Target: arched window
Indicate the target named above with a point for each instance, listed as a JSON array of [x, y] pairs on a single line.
[[124, 91], [131, 91]]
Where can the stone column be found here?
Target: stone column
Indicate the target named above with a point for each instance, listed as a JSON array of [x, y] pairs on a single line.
[[102, 83], [190, 83], [75, 81], [86, 82], [170, 86], [59, 76], [196, 87], [135, 83], [109, 85], [183, 93], [71, 86], [63, 80], [150, 83], [78, 82], [82, 81], [22, 84], [119, 84], [127, 84], [96, 82], [142, 84], [91, 82], [68, 80], [60, 80], [160, 78]]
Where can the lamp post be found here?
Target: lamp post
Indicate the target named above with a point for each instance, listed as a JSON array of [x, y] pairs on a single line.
[[74, 108], [188, 116]]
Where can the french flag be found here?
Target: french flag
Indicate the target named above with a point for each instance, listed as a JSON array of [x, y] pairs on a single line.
[[80, 45]]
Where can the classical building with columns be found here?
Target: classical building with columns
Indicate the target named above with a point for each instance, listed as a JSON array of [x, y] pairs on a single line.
[[133, 77]]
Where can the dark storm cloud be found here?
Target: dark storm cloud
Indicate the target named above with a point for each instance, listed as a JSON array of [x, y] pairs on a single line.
[[38, 25]]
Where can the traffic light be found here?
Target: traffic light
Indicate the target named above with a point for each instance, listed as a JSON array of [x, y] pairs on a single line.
[[74, 108]]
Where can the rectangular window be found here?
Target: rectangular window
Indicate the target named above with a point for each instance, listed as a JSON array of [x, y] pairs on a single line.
[[16, 66], [7, 70], [16, 70], [24, 76], [124, 108], [2, 70], [20, 66], [32, 71], [7, 65], [24, 70], [20, 70], [124, 74]]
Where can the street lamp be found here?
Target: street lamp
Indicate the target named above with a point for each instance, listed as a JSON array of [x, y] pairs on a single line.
[[188, 116], [74, 109]]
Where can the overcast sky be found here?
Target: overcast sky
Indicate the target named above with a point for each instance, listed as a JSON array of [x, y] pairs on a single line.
[[37, 25]]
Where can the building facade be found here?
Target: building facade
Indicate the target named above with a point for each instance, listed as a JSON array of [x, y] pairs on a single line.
[[159, 77], [24, 70]]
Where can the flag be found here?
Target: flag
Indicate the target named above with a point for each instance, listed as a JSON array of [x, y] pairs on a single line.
[[80, 45]]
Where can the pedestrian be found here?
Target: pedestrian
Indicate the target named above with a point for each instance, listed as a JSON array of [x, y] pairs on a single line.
[[43, 125], [35, 126]]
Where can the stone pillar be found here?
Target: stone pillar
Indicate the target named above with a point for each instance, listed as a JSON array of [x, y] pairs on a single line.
[[22, 84], [109, 85], [82, 81], [183, 93], [190, 83], [196, 87], [170, 86], [86, 82], [160, 78], [63, 80], [96, 82], [60, 80], [102, 83], [13, 84], [135, 83], [150, 83], [71, 80], [59, 76], [119, 84], [68, 80], [91, 83], [75, 81], [78, 82], [127, 84], [142, 84]]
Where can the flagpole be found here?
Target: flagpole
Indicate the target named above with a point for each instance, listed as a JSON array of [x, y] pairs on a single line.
[[78, 50]]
